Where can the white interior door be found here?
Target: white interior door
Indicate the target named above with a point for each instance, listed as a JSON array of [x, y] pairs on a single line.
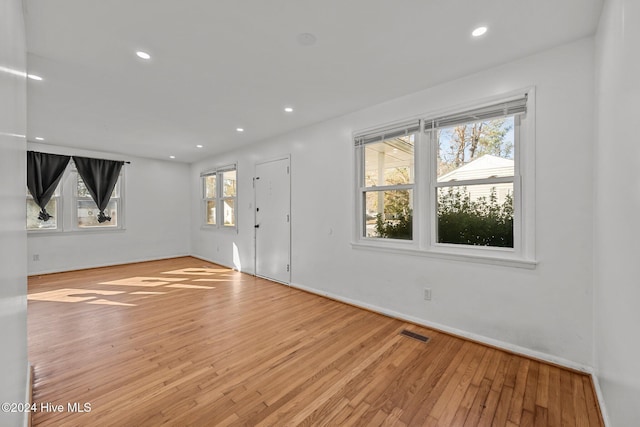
[[273, 220]]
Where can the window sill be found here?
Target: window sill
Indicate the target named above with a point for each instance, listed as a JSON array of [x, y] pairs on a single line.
[[493, 259], [75, 232], [221, 229], [43, 232]]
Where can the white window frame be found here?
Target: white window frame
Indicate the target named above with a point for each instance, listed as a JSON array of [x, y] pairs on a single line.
[[220, 198], [382, 134], [425, 200], [75, 199]]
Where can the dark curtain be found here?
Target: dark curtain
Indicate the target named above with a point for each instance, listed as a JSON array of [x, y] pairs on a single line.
[[100, 177], [44, 172]]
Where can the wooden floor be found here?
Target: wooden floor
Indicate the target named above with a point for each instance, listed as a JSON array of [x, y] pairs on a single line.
[[184, 342]]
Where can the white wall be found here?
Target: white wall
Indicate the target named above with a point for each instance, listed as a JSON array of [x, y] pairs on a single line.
[[617, 208], [546, 310], [157, 220], [13, 241]]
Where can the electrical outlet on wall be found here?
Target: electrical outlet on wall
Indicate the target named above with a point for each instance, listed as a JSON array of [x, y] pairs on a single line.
[[36, 257], [427, 294]]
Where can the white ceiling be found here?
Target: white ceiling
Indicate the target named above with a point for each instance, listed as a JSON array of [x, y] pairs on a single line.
[[221, 64]]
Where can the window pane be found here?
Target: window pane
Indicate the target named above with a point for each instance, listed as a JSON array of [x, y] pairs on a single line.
[[229, 215], [479, 215], [210, 187], [476, 150], [33, 223], [229, 184], [88, 214], [389, 214], [211, 212], [389, 162], [82, 190]]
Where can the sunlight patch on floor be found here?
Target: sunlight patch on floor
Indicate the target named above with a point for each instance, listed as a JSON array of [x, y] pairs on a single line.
[[144, 281], [70, 295]]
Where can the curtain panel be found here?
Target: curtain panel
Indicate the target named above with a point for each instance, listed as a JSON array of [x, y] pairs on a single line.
[[100, 177], [44, 172]]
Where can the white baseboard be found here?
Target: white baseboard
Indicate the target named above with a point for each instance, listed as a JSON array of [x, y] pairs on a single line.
[[453, 331], [107, 264], [600, 397], [222, 264]]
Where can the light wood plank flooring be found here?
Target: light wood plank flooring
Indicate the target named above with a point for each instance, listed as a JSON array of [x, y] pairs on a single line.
[[185, 342]]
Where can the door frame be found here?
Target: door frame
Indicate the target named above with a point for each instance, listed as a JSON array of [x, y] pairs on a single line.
[[255, 231]]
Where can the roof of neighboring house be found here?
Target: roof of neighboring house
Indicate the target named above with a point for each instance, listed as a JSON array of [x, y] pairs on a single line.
[[483, 167]]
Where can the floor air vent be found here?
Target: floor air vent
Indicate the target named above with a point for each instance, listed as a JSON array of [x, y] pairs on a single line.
[[415, 336]]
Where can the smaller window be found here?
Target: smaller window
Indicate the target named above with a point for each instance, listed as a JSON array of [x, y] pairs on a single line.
[[87, 210], [219, 197], [386, 183], [210, 194], [229, 198], [54, 208]]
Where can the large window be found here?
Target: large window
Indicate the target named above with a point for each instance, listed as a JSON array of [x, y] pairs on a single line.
[[219, 197], [474, 187], [87, 211], [450, 184], [72, 208]]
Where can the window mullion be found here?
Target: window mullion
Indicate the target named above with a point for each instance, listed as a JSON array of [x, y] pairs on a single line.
[[517, 190], [359, 229], [417, 195], [422, 183], [219, 207], [433, 179]]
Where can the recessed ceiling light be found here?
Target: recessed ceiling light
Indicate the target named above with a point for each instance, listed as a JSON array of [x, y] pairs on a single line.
[[239, 129], [479, 31], [39, 138], [34, 77], [172, 157], [143, 55], [288, 110], [199, 146]]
